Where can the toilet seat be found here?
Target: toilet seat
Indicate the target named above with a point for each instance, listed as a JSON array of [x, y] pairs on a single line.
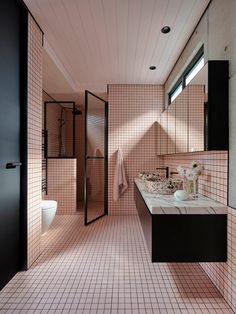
[[46, 204], [48, 210]]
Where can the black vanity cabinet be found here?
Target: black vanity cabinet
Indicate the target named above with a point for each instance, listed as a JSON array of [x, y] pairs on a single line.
[[184, 236]]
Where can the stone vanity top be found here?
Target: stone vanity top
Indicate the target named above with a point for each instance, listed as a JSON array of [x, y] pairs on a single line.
[[167, 204]]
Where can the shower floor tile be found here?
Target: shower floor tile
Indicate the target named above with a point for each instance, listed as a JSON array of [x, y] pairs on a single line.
[[105, 268]]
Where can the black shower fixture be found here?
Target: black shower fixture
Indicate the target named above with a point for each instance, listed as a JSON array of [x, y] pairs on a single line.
[[152, 67], [77, 112]]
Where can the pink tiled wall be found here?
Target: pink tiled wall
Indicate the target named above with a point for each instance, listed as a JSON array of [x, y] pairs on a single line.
[[34, 139], [67, 131], [133, 111], [62, 184], [223, 275], [213, 181]]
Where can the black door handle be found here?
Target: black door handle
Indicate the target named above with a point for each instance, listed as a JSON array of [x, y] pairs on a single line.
[[12, 165]]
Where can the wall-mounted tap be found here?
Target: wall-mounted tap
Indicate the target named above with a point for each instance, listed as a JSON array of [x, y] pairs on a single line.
[[174, 172], [166, 170]]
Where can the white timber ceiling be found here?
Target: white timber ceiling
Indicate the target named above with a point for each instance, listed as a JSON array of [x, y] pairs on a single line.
[[98, 42], [53, 79]]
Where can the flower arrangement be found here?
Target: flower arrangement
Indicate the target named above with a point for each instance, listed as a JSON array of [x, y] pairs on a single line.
[[190, 176]]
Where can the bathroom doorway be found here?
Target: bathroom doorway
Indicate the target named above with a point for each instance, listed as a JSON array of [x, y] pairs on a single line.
[[96, 158]]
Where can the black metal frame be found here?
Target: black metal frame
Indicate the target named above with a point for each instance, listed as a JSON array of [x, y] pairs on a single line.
[[24, 7], [105, 158], [45, 160], [23, 255], [73, 130]]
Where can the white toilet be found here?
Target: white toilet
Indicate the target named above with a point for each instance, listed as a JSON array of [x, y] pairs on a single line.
[[49, 209]]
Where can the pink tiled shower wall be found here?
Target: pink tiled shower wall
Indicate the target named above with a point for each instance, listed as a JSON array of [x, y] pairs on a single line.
[[62, 184], [34, 140], [53, 127], [133, 111], [53, 116], [61, 172]]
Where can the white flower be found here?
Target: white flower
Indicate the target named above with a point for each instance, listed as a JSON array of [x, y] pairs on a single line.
[[181, 171], [194, 164], [191, 175], [196, 167], [197, 170]]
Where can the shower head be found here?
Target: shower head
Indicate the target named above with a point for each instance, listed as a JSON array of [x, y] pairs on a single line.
[[77, 112]]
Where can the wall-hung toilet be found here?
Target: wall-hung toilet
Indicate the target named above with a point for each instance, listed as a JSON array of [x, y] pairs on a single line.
[[49, 209]]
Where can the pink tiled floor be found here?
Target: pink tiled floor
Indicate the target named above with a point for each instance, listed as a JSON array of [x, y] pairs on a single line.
[[106, 268]]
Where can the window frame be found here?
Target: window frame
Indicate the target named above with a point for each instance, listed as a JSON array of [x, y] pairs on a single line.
[[189, 68], [173, 91]]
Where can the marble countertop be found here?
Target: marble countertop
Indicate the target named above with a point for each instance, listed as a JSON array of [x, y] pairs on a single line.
[[167, 204]]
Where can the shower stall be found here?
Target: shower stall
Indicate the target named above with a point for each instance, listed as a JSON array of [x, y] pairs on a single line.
[[59, 170], [75, 156]]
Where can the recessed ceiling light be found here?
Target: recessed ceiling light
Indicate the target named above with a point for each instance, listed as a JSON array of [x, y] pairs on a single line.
[[152, 67], [165, 29]]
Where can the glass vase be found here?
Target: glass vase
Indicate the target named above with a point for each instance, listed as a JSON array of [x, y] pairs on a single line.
[[191, 187], [188, 186]]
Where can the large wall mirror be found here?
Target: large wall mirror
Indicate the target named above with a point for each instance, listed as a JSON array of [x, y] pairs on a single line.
[[197, 103], [197, 119]]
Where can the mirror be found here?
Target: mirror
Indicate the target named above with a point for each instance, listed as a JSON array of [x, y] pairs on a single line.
[[171, 118], [198, 97], [199, 121], [182, 125], [181, 122]]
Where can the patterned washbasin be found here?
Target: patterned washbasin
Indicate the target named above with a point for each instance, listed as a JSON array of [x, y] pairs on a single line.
[[163, 185], [149, 175]]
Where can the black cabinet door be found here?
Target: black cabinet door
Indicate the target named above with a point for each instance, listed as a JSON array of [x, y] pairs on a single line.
[[217, 118], [9, 139]]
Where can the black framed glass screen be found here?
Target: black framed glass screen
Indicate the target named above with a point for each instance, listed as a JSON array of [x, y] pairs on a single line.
[[59, 122]]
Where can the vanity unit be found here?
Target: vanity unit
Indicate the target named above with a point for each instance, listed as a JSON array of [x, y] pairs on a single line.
[[182, 231]]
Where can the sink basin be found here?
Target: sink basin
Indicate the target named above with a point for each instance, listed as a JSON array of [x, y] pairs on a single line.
[[149, 175], [163, 185]]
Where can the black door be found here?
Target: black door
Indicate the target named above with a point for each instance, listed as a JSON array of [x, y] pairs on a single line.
[[10, 96], [96, 157]]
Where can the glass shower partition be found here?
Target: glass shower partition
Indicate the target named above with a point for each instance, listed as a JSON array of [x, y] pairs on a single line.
[[96, 157]]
